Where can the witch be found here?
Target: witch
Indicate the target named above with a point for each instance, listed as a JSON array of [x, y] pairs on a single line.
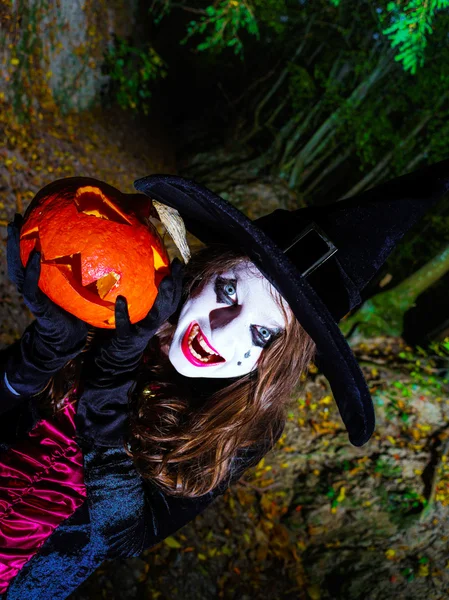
[[112, 440]]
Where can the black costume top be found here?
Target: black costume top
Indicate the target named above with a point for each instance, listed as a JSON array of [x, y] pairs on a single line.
[[123, 514]]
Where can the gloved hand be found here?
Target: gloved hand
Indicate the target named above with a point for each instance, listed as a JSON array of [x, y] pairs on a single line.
[[109, 372], [54, 338]]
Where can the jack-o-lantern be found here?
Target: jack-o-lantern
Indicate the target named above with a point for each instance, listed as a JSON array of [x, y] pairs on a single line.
[[93, 248]]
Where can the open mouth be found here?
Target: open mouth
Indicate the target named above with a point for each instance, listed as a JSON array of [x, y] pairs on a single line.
[[197, 349]]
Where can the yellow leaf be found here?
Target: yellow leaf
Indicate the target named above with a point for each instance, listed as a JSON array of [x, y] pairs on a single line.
[[314, 592], [326, 400], [423, 571], [341, 495], [15, 61], [171, 542]]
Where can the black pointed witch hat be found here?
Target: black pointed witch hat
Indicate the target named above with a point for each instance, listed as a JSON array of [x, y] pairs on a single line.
[[319, 258]]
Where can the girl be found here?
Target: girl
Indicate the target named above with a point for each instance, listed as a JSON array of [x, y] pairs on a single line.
[[114, 441]]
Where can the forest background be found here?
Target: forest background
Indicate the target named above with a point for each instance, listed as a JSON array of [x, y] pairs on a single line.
[[271, 103]]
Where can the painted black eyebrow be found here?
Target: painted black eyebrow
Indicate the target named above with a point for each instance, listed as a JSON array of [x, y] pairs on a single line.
[[221, 278]]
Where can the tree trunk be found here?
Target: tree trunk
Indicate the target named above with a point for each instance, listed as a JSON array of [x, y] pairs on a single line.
[[373, 176], [383, 314], [256, 125], [328, 129]]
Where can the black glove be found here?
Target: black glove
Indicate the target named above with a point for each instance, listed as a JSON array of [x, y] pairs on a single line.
[[109, 372], [54, 338]]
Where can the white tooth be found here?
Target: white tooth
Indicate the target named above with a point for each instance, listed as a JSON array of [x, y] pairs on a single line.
[[205, 346]]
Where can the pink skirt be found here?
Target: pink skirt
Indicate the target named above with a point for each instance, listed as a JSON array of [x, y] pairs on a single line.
[[41, 485]]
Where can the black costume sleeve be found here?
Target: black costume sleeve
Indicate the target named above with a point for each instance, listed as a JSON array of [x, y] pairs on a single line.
[[121, 518], [123, 515], [18, 414], [166, 514], [8, 400], [129, 514], [114, 487]]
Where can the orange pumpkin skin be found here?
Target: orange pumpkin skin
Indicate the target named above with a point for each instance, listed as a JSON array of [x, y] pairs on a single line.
[[93, 248]]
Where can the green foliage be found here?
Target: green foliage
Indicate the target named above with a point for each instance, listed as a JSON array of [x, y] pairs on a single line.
[[420, 364], [411, 24], [406, 24], [387, 468], [159, 9], [301, 86], [439, 134], [131, 71], [403, 505], [221, 25], [270, 12]]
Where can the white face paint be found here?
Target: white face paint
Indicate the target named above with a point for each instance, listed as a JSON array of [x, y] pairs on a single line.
[[222, 331]]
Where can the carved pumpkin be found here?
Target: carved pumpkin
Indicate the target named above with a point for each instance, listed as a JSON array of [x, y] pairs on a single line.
[[93, 248]]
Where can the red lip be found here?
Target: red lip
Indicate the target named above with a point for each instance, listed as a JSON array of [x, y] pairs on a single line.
[[188, 354]]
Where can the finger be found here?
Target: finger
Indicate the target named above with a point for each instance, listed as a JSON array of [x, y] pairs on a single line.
[[177, 268], [170, 287], [31, 292], [18, 221], [168, 297], [122, 321], [15, 268]]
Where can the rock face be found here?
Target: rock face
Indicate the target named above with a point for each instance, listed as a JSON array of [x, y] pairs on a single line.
[[57, 48], [241, 178]]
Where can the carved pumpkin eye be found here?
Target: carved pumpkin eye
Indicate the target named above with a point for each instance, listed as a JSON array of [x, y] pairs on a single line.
[[93, 248]]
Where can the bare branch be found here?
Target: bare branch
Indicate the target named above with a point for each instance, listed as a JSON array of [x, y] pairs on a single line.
[[199, 11]]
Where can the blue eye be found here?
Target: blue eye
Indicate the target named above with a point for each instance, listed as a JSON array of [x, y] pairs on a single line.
[[226, 290], [262, 335], [229, 289], [265, 333]]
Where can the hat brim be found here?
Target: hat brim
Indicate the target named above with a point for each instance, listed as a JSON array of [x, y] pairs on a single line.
[[212, 219]]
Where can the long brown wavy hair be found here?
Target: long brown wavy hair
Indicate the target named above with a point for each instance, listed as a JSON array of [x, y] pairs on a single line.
[[183, 433]]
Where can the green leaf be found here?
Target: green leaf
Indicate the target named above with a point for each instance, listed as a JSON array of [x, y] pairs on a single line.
[[171, 542]]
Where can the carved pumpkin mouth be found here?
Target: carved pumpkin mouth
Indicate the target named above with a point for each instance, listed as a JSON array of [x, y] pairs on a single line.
[[70, 267], [90, 201], [85, 261]]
